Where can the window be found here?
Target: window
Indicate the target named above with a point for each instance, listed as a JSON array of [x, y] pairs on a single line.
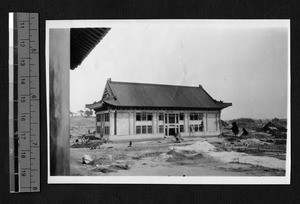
[[106, 95], [106, 130], [98, 129], [144, 131], [138, 116], [196, 116], [161, 116], [200, 116], [201, 127], [196, 128], [161, 129], [138, 130], [171, 118], [98, 117], [191, 116], [181, 116], [144, 116], [149, 116], [181, 128], [149, 129], [106, 115]]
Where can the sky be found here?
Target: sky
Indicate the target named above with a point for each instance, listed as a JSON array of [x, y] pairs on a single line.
[[241, 62]]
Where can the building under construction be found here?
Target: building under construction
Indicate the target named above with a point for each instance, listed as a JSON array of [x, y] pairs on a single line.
[[141, 111]]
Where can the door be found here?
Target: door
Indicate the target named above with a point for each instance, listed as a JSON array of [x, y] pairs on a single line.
[[172, 131]]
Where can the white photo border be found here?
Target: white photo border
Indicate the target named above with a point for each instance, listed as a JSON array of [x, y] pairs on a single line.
[[164, 179]]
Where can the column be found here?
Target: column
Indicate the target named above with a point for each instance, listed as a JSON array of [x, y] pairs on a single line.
[[218, 122], [186, 122], [154, 122], [111, 122], [205, 122], [131, 123], [59, 68]]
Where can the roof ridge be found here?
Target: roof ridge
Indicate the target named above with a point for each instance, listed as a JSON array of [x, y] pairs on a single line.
[[121, 82]]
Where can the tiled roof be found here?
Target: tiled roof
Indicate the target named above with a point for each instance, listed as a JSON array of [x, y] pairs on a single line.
[[83, 41], [158, 96]]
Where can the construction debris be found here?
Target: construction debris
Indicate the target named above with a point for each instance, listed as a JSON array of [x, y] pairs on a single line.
[[232, 156], [87, 159], [87, 144], [243, 158], [201, 146], [174, 156], [119, 166], [104, 169]]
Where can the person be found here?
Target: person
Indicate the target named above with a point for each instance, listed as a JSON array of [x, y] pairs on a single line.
[[178, 137], [235, 128], [245, 132], [130, 144]]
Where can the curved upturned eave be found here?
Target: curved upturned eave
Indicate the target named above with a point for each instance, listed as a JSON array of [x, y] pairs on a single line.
[[83, 41]]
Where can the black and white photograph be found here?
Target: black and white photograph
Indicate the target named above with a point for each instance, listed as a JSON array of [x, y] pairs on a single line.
[[168, 101]]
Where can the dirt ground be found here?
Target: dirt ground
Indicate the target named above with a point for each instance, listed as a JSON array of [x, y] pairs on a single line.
[[156, 158]]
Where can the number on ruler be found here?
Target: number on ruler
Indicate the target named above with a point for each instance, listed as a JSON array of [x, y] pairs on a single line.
[[23, 173], [22, 62], [22, 43], [23, 155], [23, 136], [23, 118], [22, 25], [23, 99], [23, 81]]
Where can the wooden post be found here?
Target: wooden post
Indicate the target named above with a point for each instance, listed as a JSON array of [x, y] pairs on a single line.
[[59, 50]]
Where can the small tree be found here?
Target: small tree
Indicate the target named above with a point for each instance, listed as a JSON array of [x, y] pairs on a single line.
[[81, 112], [88, 113], [224, 123]]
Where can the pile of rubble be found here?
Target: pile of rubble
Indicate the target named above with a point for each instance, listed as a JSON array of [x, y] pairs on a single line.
[[232, 156], [105, 165], [254, 141]]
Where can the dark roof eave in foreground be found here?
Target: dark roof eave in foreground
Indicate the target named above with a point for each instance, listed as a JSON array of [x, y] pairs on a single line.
[[83, 41]]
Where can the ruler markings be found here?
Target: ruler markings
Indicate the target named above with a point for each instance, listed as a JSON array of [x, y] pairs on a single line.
[[24, 147], [29, 90]]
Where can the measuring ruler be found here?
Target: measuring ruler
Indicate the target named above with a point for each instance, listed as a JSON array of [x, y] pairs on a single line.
[[24, 103]]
